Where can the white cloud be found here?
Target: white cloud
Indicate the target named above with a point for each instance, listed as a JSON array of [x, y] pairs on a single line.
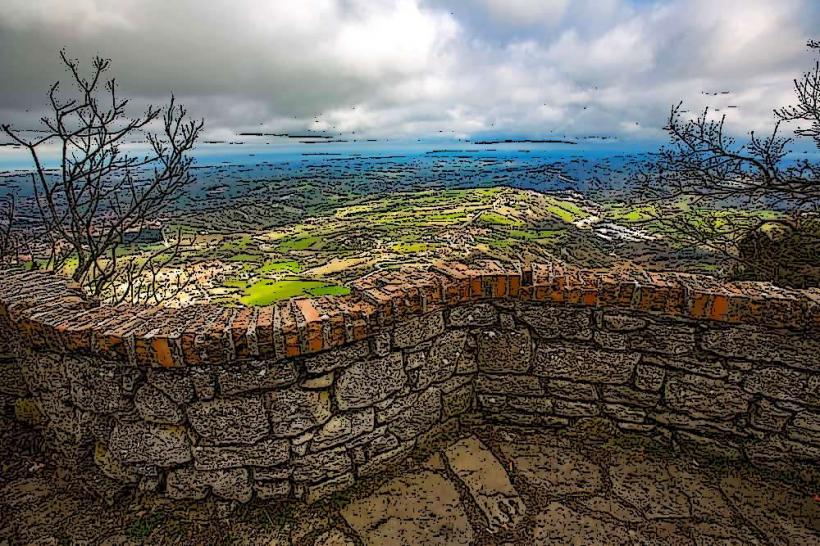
[[416, 67]]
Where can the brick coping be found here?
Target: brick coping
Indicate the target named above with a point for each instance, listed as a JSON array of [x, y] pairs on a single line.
[[50, 312]]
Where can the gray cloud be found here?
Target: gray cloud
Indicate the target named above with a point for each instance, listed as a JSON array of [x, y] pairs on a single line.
[[414, 67]]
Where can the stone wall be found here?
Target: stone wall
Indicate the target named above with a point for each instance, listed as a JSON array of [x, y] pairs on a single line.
[[302, 398]]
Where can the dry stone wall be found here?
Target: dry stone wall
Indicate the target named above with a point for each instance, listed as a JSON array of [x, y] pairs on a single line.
[[301, 399]]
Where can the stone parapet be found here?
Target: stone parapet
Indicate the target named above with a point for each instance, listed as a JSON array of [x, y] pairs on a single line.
[[302, 398]]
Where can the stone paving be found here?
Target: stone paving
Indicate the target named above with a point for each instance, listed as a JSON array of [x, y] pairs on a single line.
[[489, 485]]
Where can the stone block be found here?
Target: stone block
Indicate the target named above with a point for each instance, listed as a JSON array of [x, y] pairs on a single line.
[[156, 407], [188, 483], [627, 395], [230, 420], [113, 467], [705, 398], [44, 372], [477, 314], [255, 376], [272, 489], [413, 331], [566, 408], [530, 404], [784, 384], [96, 386], [342, 428], [522, 385], [622, 323], [321, 465], [293, 410], [625, 413], [368, 381], [419, 417], [505, 352], [337, 358], [764, 345], [158, 445], [554, 322], [583, 363], [570, 390], [766, 416], [443, 358], [663, 338], [268, 452], [177, 385], [12, 381], [315, 492], [699, 364], [649, 378], [457, 401]]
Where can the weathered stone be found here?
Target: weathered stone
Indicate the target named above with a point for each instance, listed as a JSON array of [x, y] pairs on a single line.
[[647, 485], [457, 401], [342, 428], [155, 407], [622, 323], [611, 340], [784, 384], [554, 470], [382, 444], [113, 467], [566, 408], [178, 386], [96, 386], [415, 330], [508, 352], [337, 358], [805, 428], [272, 489], [584, 363], [369, 381], [766, 416], [711, 448], [625, 413], [255, 376], [467, 362], [204, 382], [230, 420], [316, 492], [570, 390], [381, 343], [705, 398], [269, 452], [553, 322], [649, 378], [321, 465], [295, 410], [477, 314], [764, 345], [187, 483], [12, 381], [506, 321], [27, 410], [430, 513], [560, 524], [668, 339], [444, 355], [318, 382], [627, 395], [271, 474], [523, 385], [159, 445], [44, 372], [701, 365], [419, 417], [487, 482], [530, 404]]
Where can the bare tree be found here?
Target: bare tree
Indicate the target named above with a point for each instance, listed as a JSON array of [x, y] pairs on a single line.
[[99, 193], [710, 191], [8, 243]]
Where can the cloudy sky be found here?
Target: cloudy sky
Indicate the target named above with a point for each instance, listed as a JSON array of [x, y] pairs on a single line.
[[415, 68]]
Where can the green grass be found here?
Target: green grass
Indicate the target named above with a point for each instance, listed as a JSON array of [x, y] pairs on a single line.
[[267, 291], [410, 248], [568, 212], [246, 258], [298, 242], [495, 219], [291, 266]]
